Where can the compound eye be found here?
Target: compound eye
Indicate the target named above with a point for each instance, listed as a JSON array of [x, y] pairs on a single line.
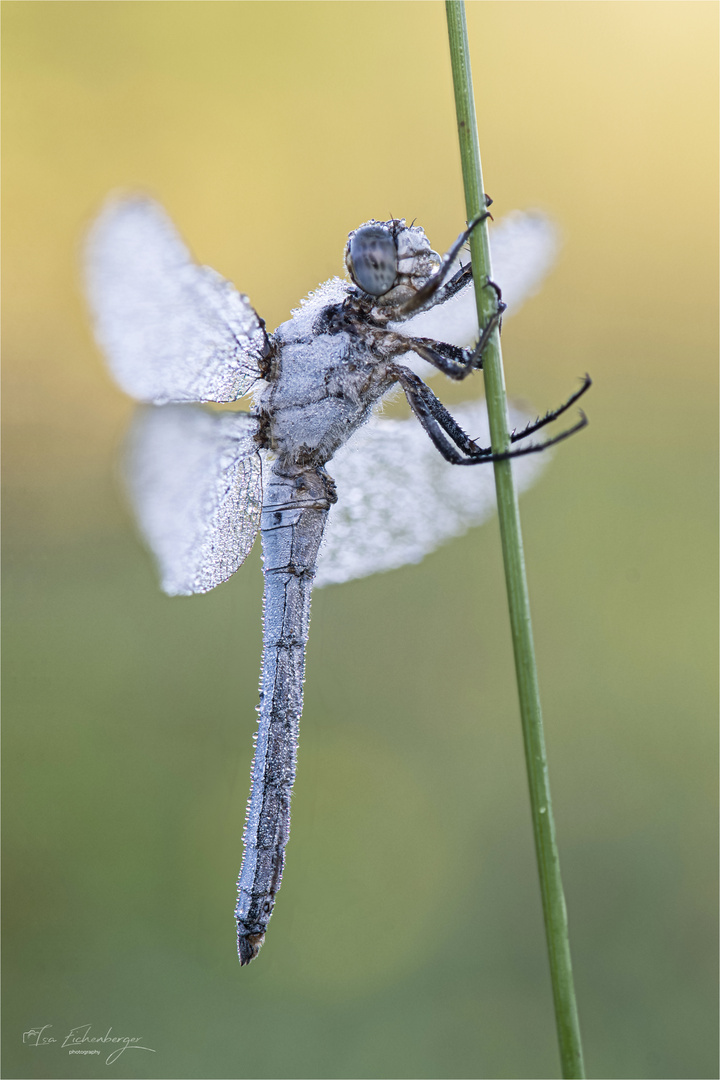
[[373, 259]]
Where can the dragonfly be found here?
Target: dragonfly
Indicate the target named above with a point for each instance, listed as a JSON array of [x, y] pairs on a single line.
[[204, 482]]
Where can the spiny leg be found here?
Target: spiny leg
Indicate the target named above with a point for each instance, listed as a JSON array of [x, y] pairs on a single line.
[[444, 430], [452, 360], [535, 448], [434, 284], [552, 414], [494, 323], [440, 425], [460, 280]]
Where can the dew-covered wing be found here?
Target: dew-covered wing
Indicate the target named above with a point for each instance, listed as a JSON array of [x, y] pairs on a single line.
[[398, 499], [524, 247], [195, 481], [171, 330]]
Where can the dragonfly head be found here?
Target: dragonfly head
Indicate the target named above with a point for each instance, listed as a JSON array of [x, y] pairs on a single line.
[[389, 260]]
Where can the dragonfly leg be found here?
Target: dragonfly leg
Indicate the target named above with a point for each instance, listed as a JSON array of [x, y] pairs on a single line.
[[494, 323], [552, 414], [453, 361], [461, 279], [450, 359], [454, 444], [433, 285]]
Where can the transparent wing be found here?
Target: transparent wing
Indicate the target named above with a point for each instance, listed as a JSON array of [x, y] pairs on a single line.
[[171, 330], [195, 481], [398, 499], [524, 247]]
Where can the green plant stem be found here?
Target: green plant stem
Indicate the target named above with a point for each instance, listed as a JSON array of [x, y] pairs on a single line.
[[553, 900]]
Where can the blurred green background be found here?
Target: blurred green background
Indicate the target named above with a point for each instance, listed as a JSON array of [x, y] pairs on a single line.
[[407, 938]]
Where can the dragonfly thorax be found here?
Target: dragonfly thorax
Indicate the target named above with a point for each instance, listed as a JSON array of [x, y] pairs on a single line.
[[322, 389]]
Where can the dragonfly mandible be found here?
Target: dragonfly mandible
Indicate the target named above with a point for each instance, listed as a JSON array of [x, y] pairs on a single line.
[[204, 482]]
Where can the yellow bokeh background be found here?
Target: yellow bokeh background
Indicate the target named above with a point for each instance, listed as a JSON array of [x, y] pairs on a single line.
[[407, 939]]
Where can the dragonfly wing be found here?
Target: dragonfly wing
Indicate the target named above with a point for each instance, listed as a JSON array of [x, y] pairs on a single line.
[[195, 481], [172, 330], [399, 499], [524, 247]]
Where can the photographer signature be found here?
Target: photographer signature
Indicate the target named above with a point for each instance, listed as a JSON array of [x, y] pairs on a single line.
[[80, 1040]]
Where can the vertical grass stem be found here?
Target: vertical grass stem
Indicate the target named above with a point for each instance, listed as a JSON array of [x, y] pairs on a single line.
[[553, 900]]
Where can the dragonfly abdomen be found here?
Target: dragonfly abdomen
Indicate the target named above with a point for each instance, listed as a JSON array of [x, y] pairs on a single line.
[[293, 520]]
